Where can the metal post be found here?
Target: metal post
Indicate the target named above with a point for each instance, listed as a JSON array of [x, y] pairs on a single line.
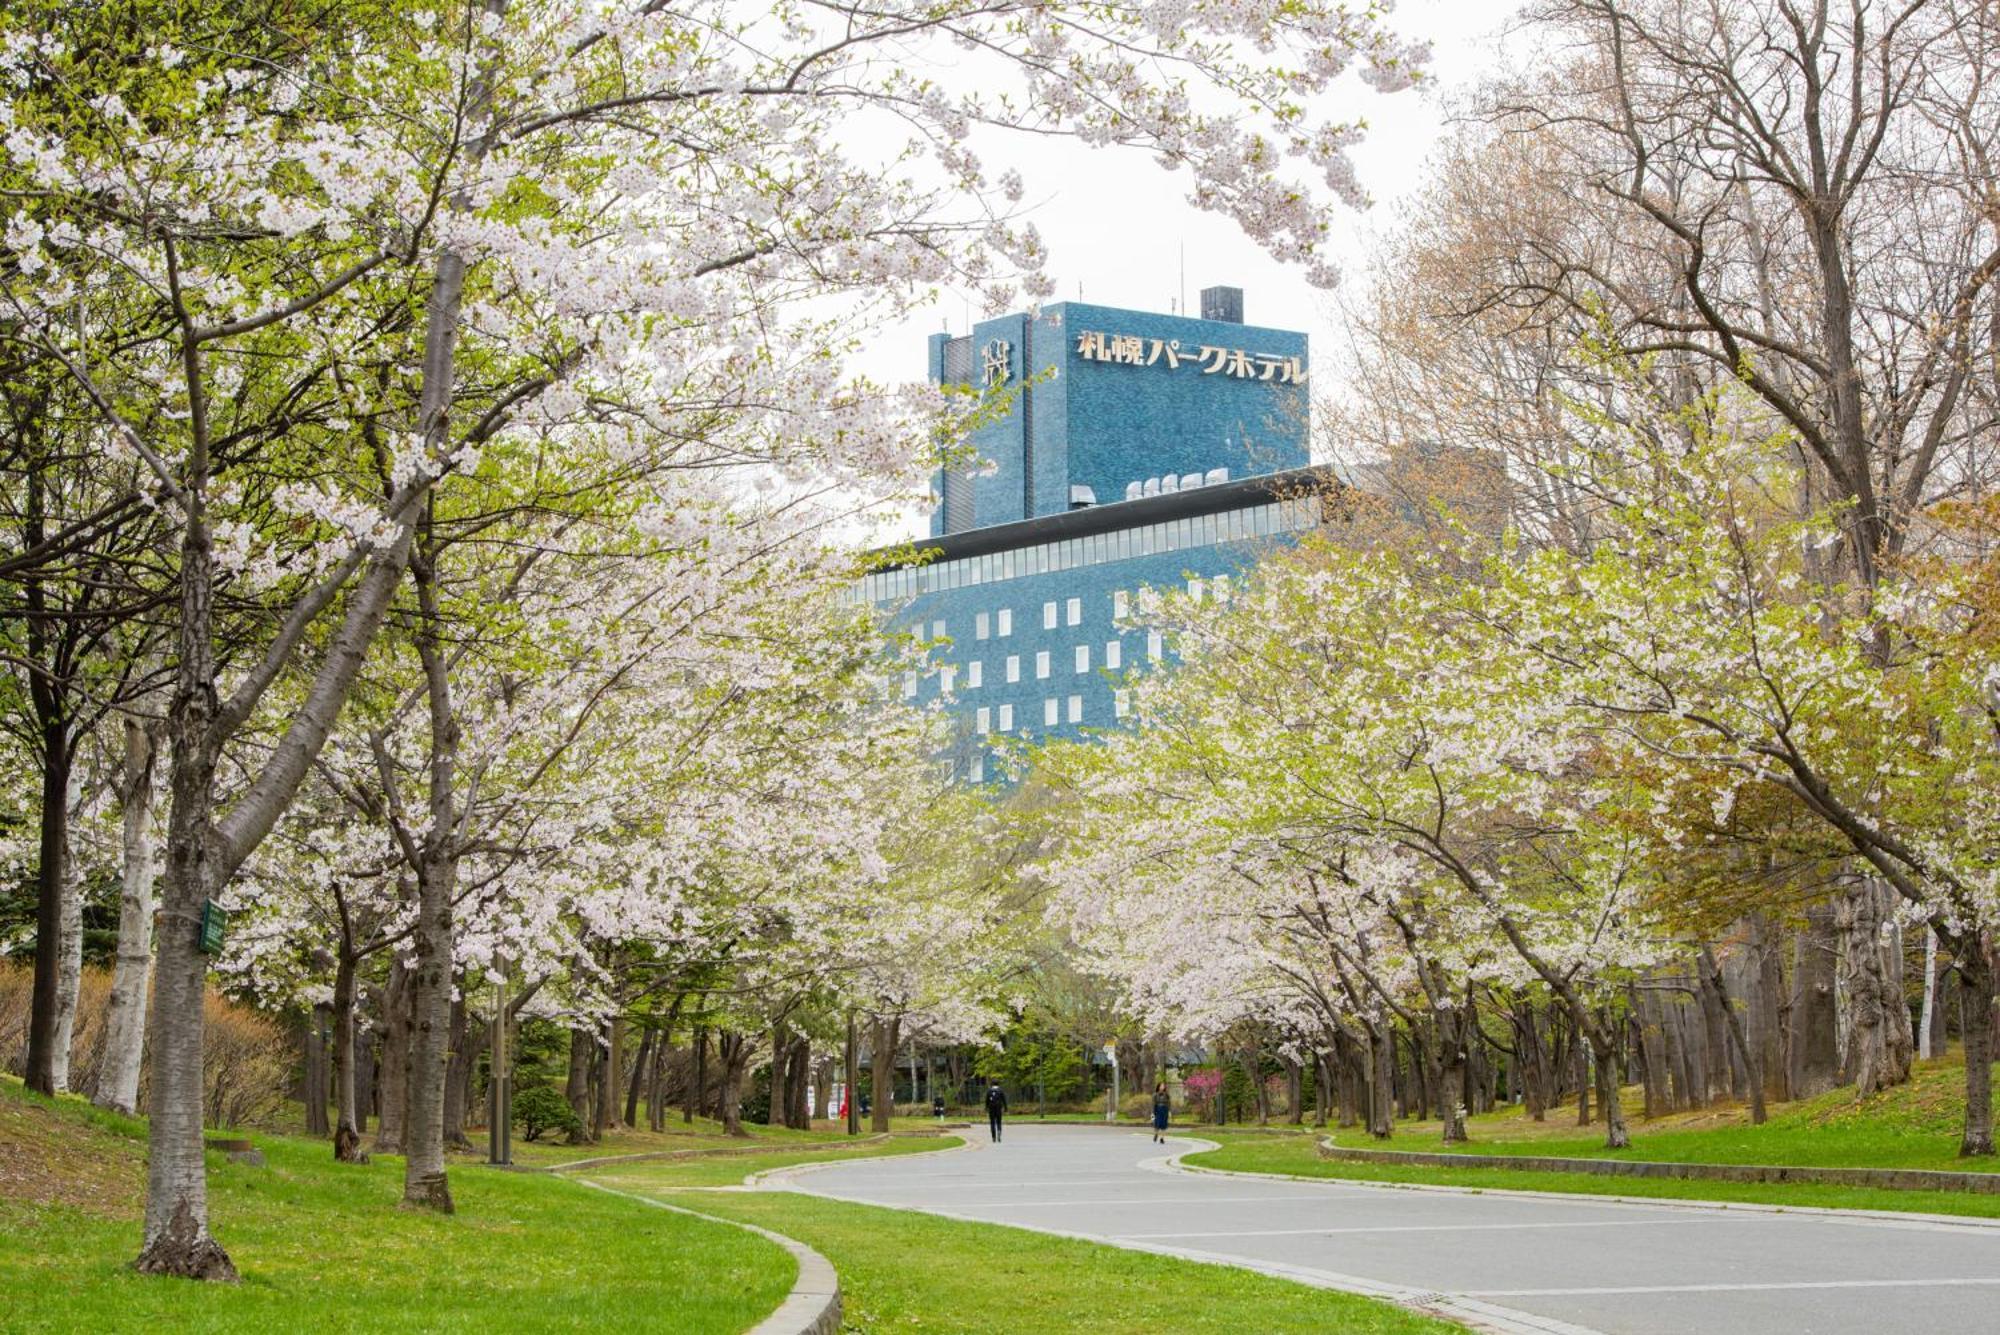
[[500, 1084]]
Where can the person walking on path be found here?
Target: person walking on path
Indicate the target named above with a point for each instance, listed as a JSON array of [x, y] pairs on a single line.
[[996, 1108], [1162, 1105]]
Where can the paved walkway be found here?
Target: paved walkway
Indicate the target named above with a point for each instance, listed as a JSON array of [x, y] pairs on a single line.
[[1509, 1263]]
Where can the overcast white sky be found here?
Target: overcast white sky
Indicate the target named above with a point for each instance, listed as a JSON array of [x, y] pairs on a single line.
[[1117, 225]]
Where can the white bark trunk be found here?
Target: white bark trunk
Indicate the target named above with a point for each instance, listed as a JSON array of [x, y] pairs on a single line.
[[69, 978], [1930, 994], [125, 1017]]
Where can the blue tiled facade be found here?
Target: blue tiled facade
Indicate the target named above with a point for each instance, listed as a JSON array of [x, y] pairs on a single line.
[[1102, 398], [1026, 582]]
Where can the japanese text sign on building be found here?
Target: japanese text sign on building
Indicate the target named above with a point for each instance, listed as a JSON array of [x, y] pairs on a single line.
[[1134, 350]]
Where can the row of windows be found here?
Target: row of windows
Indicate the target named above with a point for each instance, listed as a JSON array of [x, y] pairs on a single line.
[[1121, 608], [1054, 711], [975, 670], [1170, 535]]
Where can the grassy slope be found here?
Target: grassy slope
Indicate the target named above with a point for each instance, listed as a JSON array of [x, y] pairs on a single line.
[[325, 1247], [1913, 1126], [912, 1272]]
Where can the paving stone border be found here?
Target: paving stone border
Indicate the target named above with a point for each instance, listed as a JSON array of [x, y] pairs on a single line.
[[1890, 1179], [811, 1308]]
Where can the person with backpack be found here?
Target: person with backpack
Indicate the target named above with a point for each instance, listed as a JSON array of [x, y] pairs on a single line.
[[996, 1108], [1162, 1105]]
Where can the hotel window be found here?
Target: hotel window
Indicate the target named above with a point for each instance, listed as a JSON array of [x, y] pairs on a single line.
[[985, 720], [1075, 610], [975, 671], [1006, 622], [1121, 703], [1121, 605], [1194, 588], [981, 624], [1114, 655], [909, 684], [979, 769], [1006, 718], [1076, 709], [937, 629], [1013, 667], [947, 679], [1048, 616], [1042, 664], [1153, 644], [1083, 658], [1049, 711]]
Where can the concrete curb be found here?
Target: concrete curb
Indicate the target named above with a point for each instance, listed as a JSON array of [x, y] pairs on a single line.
[[1875, 1218], [1886, 1179], [813, 1305]]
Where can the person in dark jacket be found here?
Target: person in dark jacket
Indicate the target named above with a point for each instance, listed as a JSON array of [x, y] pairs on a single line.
[[937, 1107], [1162, 1105], [996, 1108]]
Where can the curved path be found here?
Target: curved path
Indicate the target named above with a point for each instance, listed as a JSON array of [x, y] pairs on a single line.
[[1506, 1262]]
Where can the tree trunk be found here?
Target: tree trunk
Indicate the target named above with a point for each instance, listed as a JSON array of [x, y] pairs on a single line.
[[392, 1084], [852, 1069], [51, 884], [346, 1127], [798, 1079], [1711, 974], [125, 1017], [1813, 1058], [1604, 1046], [696, 1096], [316, 1071], [1452, 1026], [1295, 1097], [1926, 1041], [467, 1041], [734, 1050], [1975, 968], [1873, 1062], [69, 976], [1381, 1078], [177, 1240], [781, 1043], [882, 1078], [614, 1076], [1770, 1011], [1582, 1084], [576, 1088], [639, 1069]]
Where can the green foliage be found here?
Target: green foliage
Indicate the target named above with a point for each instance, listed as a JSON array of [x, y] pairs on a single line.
[[540, 1108]]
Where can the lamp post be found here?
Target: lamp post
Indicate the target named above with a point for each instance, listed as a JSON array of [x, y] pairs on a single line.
[[1111, 1054], [500, 1082]]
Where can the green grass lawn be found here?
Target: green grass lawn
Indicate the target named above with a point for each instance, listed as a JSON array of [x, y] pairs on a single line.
[[325, 1247], [912, 1272], [1912, 1126]]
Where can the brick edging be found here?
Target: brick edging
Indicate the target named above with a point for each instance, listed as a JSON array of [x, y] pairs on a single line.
[[813, 1306], [1888, 1179]]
